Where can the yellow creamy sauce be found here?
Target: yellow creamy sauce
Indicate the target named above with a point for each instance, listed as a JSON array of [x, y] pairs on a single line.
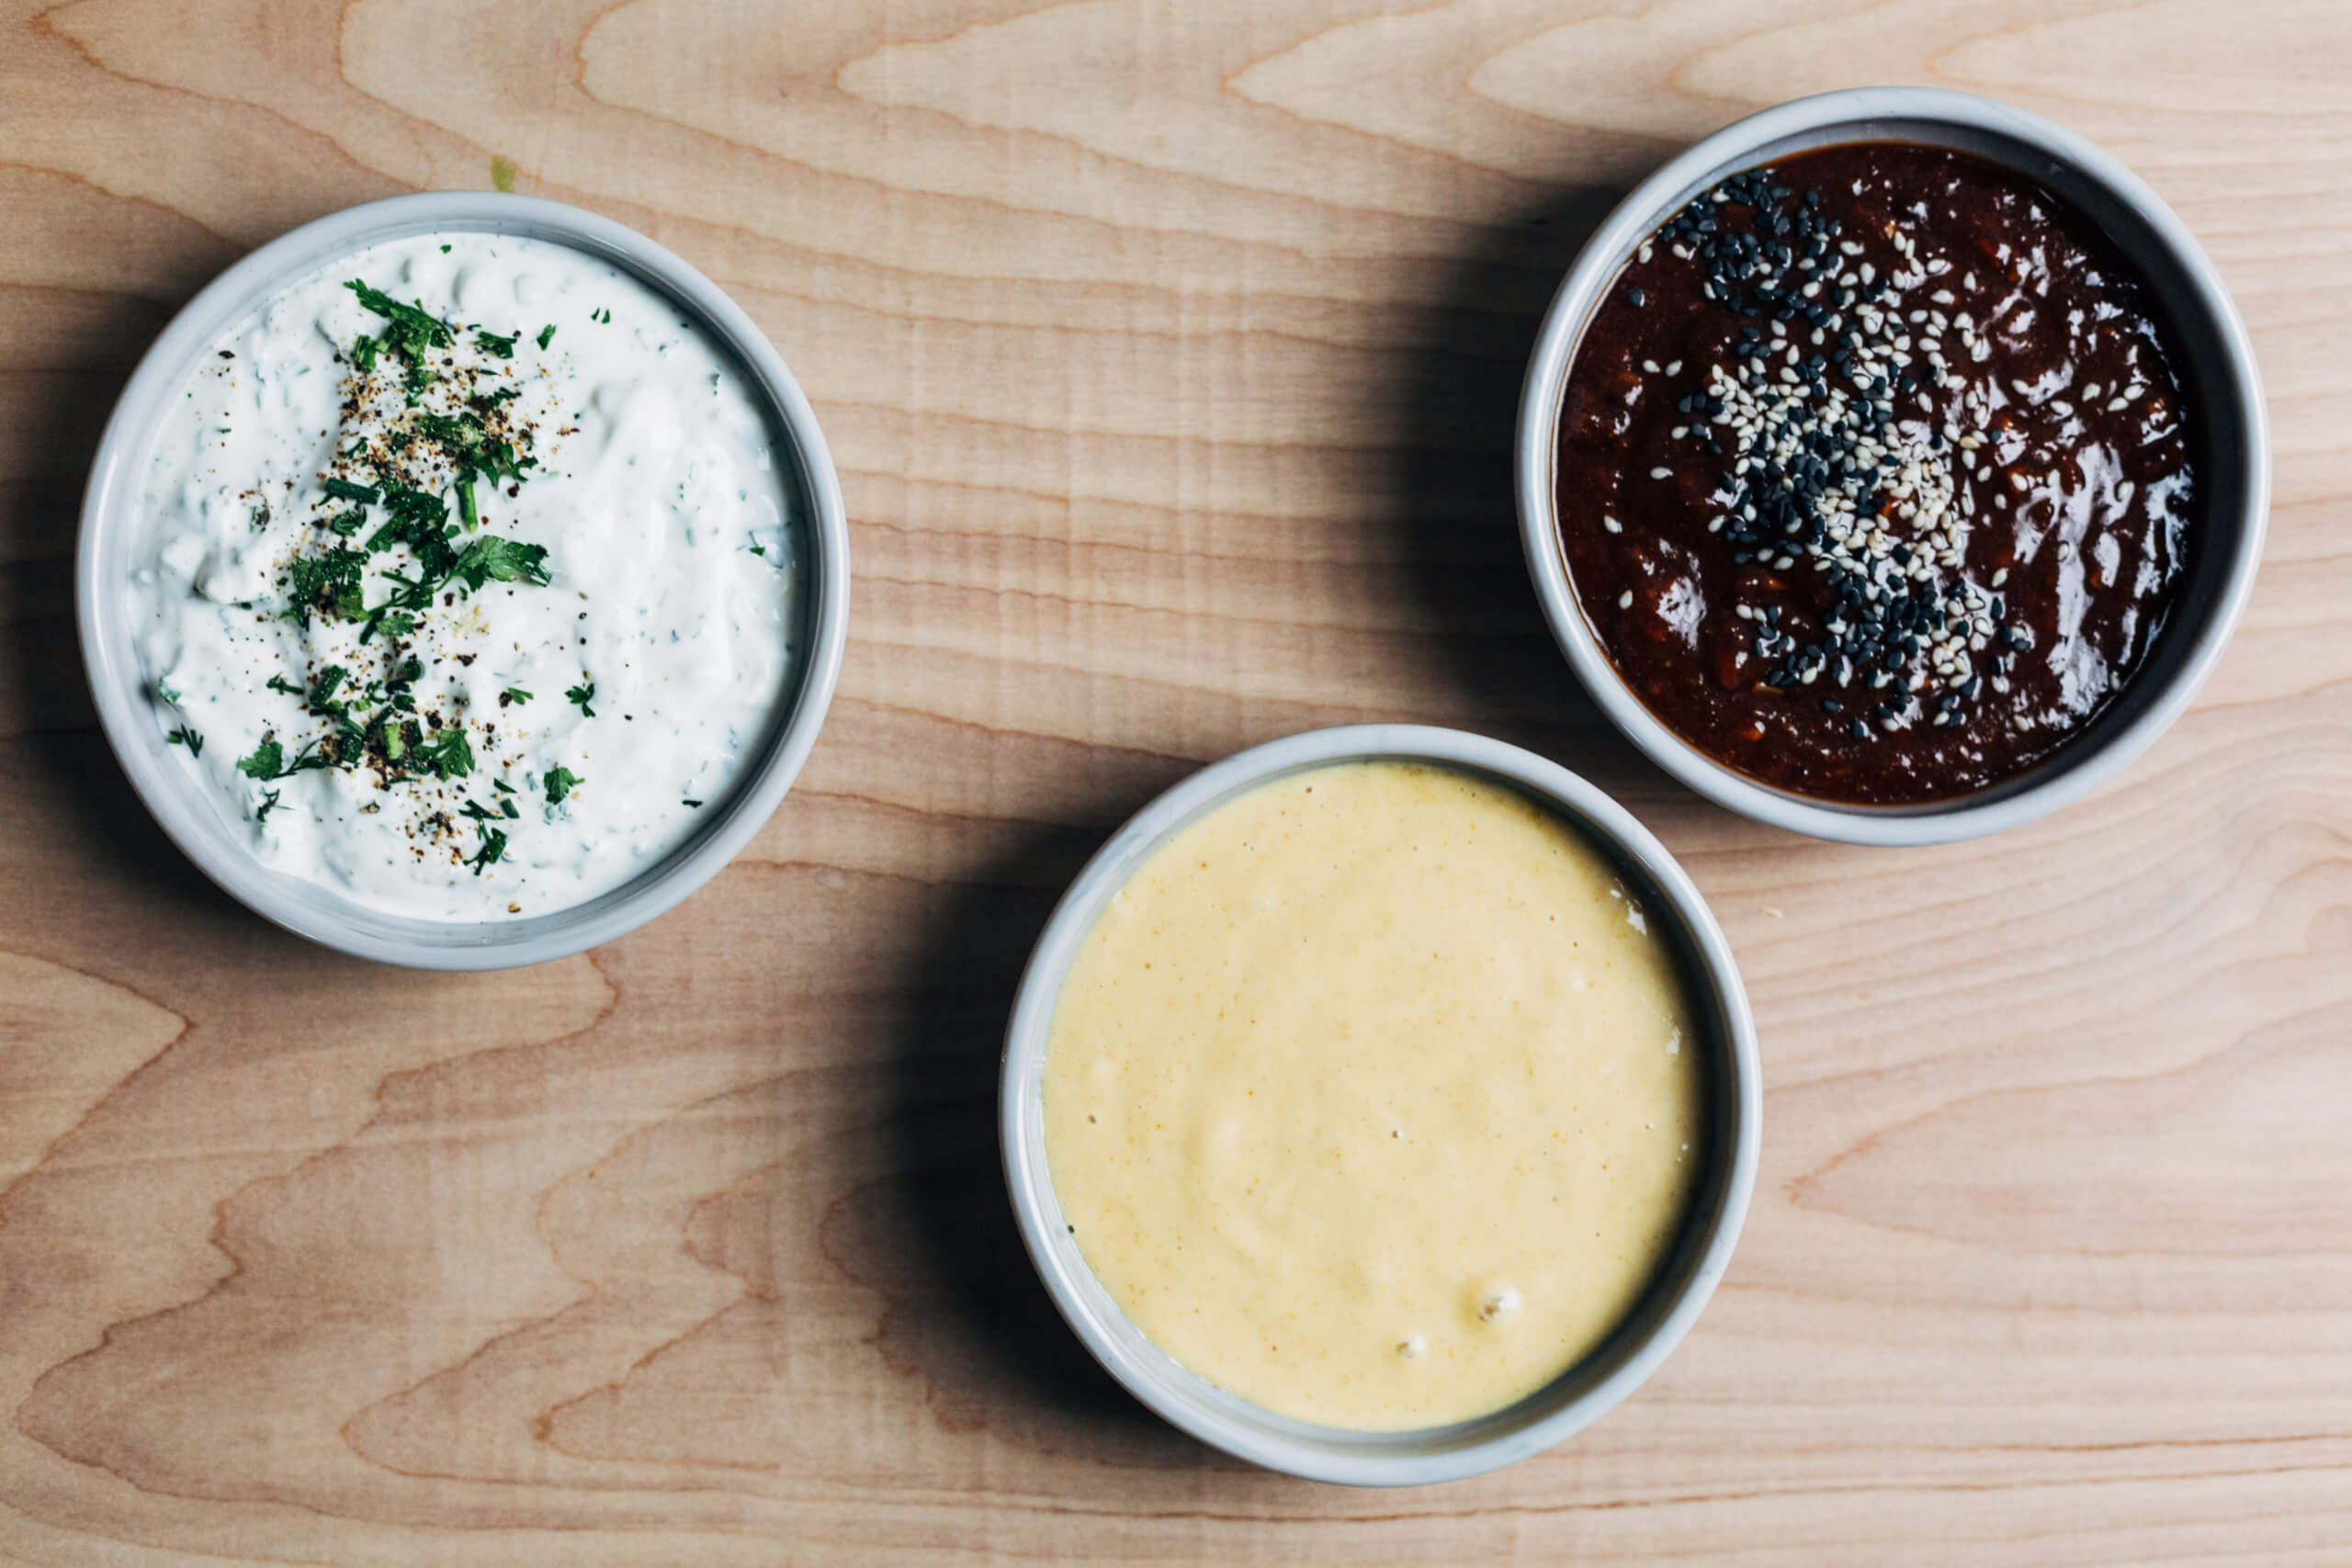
[[1371, 1097]]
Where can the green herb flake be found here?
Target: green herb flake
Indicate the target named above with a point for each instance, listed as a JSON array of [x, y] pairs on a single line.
[[446, 753], [546, 335], [560, 782], [493, 558], [268, 804], [696, 803], [186, 737], [343, 489], [267, 761], [582, 695], [512, 695], [502, 346], [492, 850], [412, 329]]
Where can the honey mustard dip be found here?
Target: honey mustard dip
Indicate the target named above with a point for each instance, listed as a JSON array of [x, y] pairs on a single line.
[[1373, 1098]]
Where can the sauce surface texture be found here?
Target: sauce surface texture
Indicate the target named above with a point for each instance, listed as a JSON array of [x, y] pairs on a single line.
[[1874, 475], [467, 577], [1372, 1099]]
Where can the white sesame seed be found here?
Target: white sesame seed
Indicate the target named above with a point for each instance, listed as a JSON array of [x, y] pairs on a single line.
[[1649, 366], [1613, 525], [1625, 600], [1661, 473]]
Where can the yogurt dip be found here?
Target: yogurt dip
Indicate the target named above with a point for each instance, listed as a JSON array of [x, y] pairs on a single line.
[[1373, 1098], [467, 577]]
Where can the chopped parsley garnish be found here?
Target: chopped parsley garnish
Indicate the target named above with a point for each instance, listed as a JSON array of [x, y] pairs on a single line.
[[268, 761], [492, 850], [185, 735], [446, 753], [605, 316], [412, 329], [696, 803], [496, 558], [584, 694], [458, 431], [325, 584]]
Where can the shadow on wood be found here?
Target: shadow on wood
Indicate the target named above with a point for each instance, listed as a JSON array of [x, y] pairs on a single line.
[[1452, 406]]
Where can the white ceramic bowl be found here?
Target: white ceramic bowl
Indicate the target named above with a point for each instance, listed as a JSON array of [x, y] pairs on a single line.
[[1588, 1390], [2222, 384], [119, 683]]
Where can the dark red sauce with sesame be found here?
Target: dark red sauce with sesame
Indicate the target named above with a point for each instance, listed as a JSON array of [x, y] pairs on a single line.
[[1874, 478]]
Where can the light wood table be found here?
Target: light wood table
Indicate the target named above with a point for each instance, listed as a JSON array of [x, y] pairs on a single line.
[[1169, 351]]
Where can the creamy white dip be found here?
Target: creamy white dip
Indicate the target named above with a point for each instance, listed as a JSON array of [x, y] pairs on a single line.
[[522, 745]]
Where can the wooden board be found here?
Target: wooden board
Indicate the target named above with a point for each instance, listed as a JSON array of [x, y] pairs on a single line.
[[1169, 352]]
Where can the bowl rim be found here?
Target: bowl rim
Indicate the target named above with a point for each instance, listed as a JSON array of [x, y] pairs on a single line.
[[1222, 1420], [108, 653], [2077, 768]]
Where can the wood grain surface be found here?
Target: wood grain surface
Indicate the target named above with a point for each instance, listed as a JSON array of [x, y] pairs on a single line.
[[1169, 351]]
